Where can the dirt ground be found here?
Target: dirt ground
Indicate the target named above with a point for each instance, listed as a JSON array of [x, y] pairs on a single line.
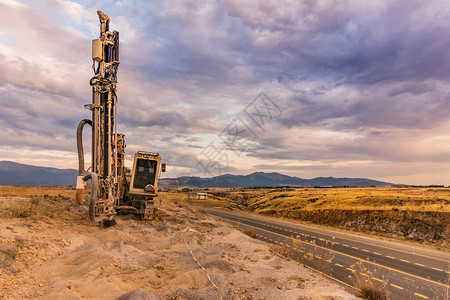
[[49, 250]]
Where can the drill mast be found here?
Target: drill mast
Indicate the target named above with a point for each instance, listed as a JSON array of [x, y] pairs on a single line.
[[112, 189], [107, 156]]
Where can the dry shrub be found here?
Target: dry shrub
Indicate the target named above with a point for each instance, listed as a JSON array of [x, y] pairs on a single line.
[[323, 262], [13, 251], [200, 213], [372, 293], [280, 251], [250, 232], [21, 210], [321, 258], [369, 288], [34, 208], [10, 252]]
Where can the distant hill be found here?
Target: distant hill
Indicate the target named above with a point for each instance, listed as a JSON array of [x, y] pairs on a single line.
[[261, 179], [12, 173]]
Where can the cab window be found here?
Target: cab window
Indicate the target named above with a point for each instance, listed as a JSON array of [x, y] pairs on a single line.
[[144, 173]]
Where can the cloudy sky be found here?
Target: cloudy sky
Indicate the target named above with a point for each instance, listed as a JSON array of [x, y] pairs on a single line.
[[305, 88]]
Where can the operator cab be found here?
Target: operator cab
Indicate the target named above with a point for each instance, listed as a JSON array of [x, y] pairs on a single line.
[[146, 169]]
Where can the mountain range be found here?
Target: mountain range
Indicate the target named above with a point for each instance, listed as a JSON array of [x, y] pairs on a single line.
[[261, 179], [12, 173]]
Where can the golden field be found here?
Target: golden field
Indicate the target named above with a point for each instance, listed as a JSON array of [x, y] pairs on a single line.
[[417, 214], [37, 191], [387, 198]]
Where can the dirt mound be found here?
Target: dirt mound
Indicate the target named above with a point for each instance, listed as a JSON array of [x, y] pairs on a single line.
[[49, 250]]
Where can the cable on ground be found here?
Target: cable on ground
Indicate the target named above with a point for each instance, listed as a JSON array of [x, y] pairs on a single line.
[[192, 254]]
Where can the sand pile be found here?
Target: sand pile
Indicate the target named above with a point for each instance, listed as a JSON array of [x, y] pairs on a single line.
[[49, 250]]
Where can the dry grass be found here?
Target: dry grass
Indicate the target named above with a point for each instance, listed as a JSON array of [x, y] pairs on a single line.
[[366, 198], [369, 287], [447, 289], [416, 214], [35, 207], [250, 232], [388, 198], [37, 191], [13, 251], [281, 251], [385, 198], [321, 259], [181, 199]]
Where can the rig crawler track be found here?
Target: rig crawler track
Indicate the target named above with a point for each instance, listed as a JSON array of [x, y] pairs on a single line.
[[408, 272]]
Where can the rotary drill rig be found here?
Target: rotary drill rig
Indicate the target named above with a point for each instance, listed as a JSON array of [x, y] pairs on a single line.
[[113, 187]]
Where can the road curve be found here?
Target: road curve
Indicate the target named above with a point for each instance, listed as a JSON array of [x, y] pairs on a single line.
[[409, 272]]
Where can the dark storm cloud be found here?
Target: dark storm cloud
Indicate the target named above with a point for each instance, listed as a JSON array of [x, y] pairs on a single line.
[[354, 79], [390, 49], [195, 41], [347, 43], [407, 105]]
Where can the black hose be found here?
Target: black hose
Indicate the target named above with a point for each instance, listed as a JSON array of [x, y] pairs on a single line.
[[94, 187], [80, 145], [80, 186]]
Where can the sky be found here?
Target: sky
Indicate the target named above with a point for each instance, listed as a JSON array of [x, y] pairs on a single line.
[[304, 88]]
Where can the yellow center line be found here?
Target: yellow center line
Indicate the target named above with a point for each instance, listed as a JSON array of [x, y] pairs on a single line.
[[390, 257], [332, 278], [376, 253], [405, 260], [344, 254], [422, 296], [419, 264], [339, 265], [359, 241], [365, 250], [438, 269], [396, 286], [377, 279]]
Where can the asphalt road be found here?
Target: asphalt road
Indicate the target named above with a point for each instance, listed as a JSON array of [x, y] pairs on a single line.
[[407, 271]]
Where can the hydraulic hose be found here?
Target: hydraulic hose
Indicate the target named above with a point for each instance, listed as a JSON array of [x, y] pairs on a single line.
[[80, 182], [94, 187]]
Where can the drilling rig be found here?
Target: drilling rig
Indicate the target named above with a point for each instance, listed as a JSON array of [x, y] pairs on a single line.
[[114, 188]]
